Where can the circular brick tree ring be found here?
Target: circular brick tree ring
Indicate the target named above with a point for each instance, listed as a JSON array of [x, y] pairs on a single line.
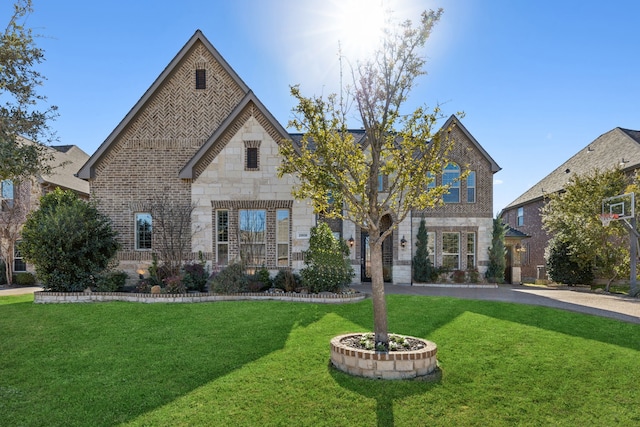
[[418, 364]]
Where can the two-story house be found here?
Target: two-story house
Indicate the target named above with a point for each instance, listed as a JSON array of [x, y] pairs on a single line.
[[200, 137], [18, 197], [618, 148]]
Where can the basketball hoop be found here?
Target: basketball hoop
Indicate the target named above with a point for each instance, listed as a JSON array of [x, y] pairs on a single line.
[[606, 218]]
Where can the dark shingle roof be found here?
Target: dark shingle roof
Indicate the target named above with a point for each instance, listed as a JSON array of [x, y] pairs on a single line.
[[512, 232], [358, 137], [605, 152]]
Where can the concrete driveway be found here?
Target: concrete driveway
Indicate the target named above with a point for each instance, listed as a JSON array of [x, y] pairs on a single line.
[[605, 305]]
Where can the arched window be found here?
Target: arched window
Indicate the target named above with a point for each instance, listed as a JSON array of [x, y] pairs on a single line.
[[451, 176]]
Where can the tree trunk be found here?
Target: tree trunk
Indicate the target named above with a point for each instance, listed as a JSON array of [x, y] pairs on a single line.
[[377, 287], [9, 263]]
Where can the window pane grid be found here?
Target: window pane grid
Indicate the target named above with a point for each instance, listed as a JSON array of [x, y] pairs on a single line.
[[471, 187], [282, 237], [222, 237], [451, 177], [253, 236], [471, 250], [143, 231], [451, 250]]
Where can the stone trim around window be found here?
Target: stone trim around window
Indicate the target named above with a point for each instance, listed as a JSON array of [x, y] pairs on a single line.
[[270, 207]]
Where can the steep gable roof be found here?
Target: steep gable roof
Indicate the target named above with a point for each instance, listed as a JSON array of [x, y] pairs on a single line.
[[88, 170], [67, 159], [616, 148], [212, 145], [454, 121]]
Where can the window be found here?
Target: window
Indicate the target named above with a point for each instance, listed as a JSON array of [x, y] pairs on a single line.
[[380, 182], [143, 231], [471, 250], [451, 250], [18, 261], [252, 155], [252, 158], [451, 177], [520, 218], [471, 187], [6, 194], [432, 183], [282, 237], [253, 225], [201, 79], [222, 237], [431, 246]]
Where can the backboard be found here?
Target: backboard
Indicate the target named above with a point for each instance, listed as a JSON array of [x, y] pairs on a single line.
[[620, 207]]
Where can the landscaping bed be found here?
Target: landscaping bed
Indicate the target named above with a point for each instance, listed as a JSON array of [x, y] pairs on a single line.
[[43, 297]]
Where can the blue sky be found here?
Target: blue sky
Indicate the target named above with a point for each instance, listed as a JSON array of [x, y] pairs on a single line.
[[537, 80]]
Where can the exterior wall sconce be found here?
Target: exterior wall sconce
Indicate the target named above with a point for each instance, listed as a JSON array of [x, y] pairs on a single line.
[[140, 274], [403, 242], [520, 248], [623, 162], [351, 241]]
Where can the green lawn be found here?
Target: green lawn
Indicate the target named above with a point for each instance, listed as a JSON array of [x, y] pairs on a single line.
[[266, 363]]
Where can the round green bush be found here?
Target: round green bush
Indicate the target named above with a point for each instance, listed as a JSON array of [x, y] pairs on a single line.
[[231, 279]]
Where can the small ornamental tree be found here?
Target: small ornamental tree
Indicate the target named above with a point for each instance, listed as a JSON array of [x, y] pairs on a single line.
[[422, 268], [69, 241], [327, 262], [571, 217], [23, 111], [497, 252]]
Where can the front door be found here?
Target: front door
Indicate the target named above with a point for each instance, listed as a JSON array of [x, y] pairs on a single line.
[[365, 260]]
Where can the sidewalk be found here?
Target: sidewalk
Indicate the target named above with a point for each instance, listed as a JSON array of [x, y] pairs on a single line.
[[604, 305], [13, 290]]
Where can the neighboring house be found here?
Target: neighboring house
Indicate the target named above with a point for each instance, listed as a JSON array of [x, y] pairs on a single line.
[[618, 148], [19, 197], [200, 136]]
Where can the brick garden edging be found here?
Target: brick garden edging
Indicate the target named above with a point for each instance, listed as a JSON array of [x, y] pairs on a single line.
[[388, 365], [44, 297]]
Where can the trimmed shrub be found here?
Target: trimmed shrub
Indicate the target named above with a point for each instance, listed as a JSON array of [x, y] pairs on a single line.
[[563, 269], [473, 275], [423, 270], [458, 276], [230, 280], [174, 285], [143, 286], [328, 268], [287, 280], [195, 276], [25, 279], [497, 252], [69, 242], [112, 281]]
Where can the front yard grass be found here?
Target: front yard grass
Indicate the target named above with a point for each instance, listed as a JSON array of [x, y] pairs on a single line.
[[266, 363]]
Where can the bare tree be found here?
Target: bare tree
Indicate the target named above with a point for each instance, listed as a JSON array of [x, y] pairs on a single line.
[[13, 213], [172, 232]]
